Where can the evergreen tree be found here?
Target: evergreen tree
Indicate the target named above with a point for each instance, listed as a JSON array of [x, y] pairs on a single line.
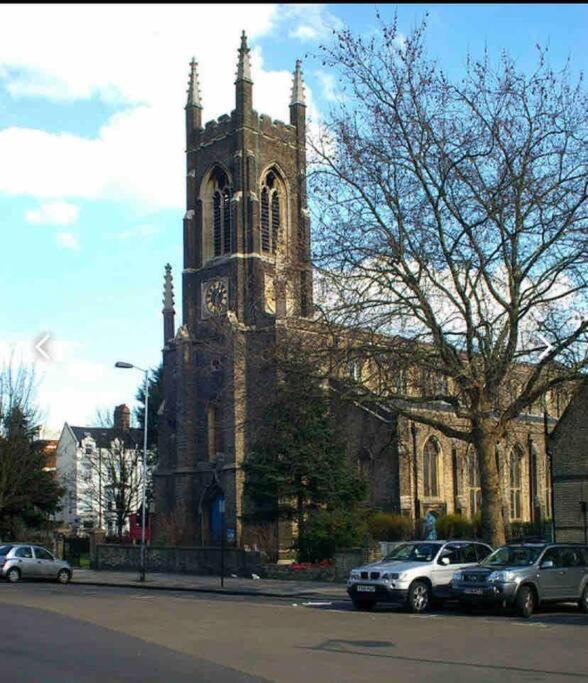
[[28, 494], [155, 399], [298, 464]]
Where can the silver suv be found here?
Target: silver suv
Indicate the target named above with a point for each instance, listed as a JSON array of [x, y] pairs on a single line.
[[414, 574], [524, 575], [23, 561]]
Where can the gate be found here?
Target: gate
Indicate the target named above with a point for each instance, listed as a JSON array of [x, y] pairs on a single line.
[[74, 549]]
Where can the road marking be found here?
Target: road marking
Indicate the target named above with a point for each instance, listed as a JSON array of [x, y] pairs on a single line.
[[316, 604], [537, 624]]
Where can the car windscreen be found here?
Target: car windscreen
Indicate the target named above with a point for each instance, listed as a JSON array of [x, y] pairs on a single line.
[[414, 552], [5, 549], [512, 556]]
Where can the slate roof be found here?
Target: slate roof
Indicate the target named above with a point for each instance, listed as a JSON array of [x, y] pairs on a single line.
[[104, 436]]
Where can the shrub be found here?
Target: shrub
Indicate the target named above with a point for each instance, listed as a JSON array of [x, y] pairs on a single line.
[[326, 531], [385, 526], [454, 526]]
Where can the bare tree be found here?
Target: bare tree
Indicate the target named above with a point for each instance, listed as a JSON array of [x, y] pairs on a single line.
[[112, 475], [453, 222]]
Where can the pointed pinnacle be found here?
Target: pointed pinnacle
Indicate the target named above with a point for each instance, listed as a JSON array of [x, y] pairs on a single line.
[[194, 99], [244, 63], [168, 289], [298, 96]]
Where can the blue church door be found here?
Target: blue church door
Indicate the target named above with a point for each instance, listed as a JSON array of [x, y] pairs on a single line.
[[216, 519]]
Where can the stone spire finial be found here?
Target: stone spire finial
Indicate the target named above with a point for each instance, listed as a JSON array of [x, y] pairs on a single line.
[[298, 96], [168, 290], [244, 63], [194, 98]]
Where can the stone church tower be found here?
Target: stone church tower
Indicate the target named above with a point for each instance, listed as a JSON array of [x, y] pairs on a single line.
[[246, 273]]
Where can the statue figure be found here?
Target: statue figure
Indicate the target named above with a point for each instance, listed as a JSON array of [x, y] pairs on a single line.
[[430, 532]]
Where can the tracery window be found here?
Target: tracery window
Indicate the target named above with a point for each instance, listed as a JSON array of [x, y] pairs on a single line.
[[431, 468], [270, 213], [515, 466], [473, 481]]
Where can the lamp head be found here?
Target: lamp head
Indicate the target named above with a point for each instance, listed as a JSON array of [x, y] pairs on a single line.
[[122, 364]]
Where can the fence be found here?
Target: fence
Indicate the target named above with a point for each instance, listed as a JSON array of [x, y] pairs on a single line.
[[201, 560]]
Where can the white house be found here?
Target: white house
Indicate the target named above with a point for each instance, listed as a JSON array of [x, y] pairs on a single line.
[[101, 471]]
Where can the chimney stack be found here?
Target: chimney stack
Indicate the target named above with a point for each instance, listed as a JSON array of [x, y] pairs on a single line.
[[122, 418]]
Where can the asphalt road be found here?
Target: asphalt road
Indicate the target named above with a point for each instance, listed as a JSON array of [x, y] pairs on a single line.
[[81, 633]]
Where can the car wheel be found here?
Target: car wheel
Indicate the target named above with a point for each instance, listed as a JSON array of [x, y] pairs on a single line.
[[63, 576], [13, 575], [364, 605], [525, 602], [419, 597], [583, 604]]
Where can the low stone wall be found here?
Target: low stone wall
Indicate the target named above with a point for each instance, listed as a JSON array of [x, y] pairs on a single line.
[[177, 560]]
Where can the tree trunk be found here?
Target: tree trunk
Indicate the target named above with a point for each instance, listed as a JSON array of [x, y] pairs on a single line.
[[492, 518]]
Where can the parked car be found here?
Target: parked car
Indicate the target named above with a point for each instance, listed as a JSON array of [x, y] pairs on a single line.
[[414, 574], [525, 575], [24, 561]]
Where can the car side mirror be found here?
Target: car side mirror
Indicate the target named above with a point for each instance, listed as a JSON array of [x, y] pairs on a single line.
[[444, 560], [548, 564]]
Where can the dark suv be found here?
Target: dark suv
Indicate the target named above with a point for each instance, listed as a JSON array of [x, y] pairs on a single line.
[[524, 575]]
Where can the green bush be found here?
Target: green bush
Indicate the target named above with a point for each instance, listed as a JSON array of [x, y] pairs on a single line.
[[326, 531], [385, 526], [454, 526]]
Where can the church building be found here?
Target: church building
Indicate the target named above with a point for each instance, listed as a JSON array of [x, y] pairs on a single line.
[[247, 287]]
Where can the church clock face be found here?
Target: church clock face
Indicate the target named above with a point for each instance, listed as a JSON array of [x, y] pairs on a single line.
[[215, 297]]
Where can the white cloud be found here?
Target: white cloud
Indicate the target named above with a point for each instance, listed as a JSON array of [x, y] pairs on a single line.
[[69, 387], [67, 240], [137, 153], [53, 213], [330, 90], [309, 22]]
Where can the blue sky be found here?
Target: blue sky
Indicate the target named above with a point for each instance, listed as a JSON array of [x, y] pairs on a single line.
[[92, 155]]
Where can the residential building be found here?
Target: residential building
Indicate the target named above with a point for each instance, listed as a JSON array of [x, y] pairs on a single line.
[[101, 470]]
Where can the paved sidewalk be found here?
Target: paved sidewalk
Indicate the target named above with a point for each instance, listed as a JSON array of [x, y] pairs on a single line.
[[311, 590]]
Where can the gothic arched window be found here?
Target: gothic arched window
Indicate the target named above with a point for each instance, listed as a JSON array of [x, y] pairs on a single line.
[[431, 468], [221, 213], [271, 220], [473, 481], [515, 476]]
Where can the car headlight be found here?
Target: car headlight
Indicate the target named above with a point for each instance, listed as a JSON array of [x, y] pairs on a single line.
[[354, 576], [457, 577], [501, 577]]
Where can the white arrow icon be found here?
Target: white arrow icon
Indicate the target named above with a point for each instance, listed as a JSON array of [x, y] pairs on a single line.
[[39, 346], [548, 349]]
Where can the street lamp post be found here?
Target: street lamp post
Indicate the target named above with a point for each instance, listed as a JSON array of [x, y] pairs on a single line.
[[222, 540], [121, 364]]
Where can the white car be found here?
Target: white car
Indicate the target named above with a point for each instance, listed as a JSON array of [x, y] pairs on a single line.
[[414, 574]]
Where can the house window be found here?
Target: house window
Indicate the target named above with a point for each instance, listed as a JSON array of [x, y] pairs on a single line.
[[515, 466], [354, 370], [431, 468], [270, 213]]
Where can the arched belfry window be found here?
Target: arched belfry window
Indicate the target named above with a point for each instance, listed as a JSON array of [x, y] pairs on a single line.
[[271, 219], [431, 455], [220, 225]]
